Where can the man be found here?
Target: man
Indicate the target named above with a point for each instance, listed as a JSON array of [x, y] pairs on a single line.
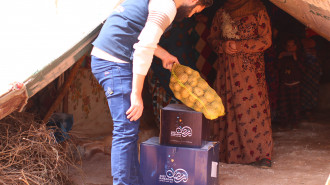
[[121, 58]]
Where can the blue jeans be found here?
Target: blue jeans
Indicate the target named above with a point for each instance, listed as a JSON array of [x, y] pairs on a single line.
[[116, 80]]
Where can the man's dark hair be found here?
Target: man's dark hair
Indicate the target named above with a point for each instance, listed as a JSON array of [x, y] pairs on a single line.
[[206, 3]]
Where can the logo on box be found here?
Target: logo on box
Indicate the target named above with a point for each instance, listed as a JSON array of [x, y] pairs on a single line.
[[177, 176], [185, 131]]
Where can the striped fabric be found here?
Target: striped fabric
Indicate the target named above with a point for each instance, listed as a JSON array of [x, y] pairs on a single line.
[[160, 19]]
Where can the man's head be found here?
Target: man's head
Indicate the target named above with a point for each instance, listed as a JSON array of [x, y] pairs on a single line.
[[190, 7]]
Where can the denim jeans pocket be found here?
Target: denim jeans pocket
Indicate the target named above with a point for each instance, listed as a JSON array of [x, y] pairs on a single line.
[[107, 83]]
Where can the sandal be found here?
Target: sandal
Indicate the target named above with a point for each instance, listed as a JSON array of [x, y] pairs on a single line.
[[263, 163]]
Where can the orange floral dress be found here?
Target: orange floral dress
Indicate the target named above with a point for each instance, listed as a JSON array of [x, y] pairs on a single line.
[[244, 133]]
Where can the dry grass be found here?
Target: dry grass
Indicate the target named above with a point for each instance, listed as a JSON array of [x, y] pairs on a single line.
[[29, 153]]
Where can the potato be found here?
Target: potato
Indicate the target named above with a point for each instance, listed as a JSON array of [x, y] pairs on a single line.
[[198, 91], [192, 99], [189, 71], [202, 84], [185, 92], [196, 108], [172, 79], [188, 103], [171, 85], [210, 113], [195, 74], [177, 94], [194, 92], [218, 105], [209, 96], [183, 77], [201, 103], [192, 81], [177, 87]]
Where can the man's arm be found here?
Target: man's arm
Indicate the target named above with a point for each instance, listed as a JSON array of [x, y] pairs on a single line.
[[136, 109], [167, 59], [161, 14]]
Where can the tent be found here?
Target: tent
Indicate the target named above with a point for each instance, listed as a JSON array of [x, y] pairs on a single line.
[[42, 39], [39, 44]]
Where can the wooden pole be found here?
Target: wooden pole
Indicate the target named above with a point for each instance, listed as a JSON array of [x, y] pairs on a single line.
[[65, 98], [65, 87]]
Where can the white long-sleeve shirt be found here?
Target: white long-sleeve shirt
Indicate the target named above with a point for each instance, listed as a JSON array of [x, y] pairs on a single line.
[[160, 16]]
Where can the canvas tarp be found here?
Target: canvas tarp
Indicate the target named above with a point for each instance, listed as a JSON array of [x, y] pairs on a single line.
[[40, 40], [314, 14]]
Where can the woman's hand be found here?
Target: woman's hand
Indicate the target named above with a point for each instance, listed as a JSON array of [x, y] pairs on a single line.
[[230, 47]]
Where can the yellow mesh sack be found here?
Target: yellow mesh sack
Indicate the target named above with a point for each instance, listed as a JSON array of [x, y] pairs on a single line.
[[192, 90]]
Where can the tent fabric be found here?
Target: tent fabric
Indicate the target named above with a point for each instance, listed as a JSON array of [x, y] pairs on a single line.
[[314, 14], [89, 106], [50, 44], [41, 39]]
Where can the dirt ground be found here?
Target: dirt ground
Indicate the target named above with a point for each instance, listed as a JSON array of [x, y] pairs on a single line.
[[301, 156]]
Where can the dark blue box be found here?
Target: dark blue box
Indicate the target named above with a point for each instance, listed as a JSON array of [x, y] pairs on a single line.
[[161, 164], [183, 126]]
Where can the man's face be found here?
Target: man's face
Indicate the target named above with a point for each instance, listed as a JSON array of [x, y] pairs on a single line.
[[186, 11]]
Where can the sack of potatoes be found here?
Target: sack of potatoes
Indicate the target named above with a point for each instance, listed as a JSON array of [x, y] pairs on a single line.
[[192, 90]]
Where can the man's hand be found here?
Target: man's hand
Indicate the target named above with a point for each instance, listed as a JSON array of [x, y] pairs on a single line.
[[167, 59], [136, 109]]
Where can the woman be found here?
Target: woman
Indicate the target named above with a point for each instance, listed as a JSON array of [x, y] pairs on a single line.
[[240, 33]]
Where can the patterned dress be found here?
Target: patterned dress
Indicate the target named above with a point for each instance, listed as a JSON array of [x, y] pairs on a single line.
[[244, 133]]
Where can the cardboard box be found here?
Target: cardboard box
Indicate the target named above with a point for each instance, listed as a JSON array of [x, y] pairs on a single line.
[[166, 165], [182, 126]]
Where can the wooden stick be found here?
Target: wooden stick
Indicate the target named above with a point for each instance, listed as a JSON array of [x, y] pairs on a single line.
[[65, 87], [65, 98]]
